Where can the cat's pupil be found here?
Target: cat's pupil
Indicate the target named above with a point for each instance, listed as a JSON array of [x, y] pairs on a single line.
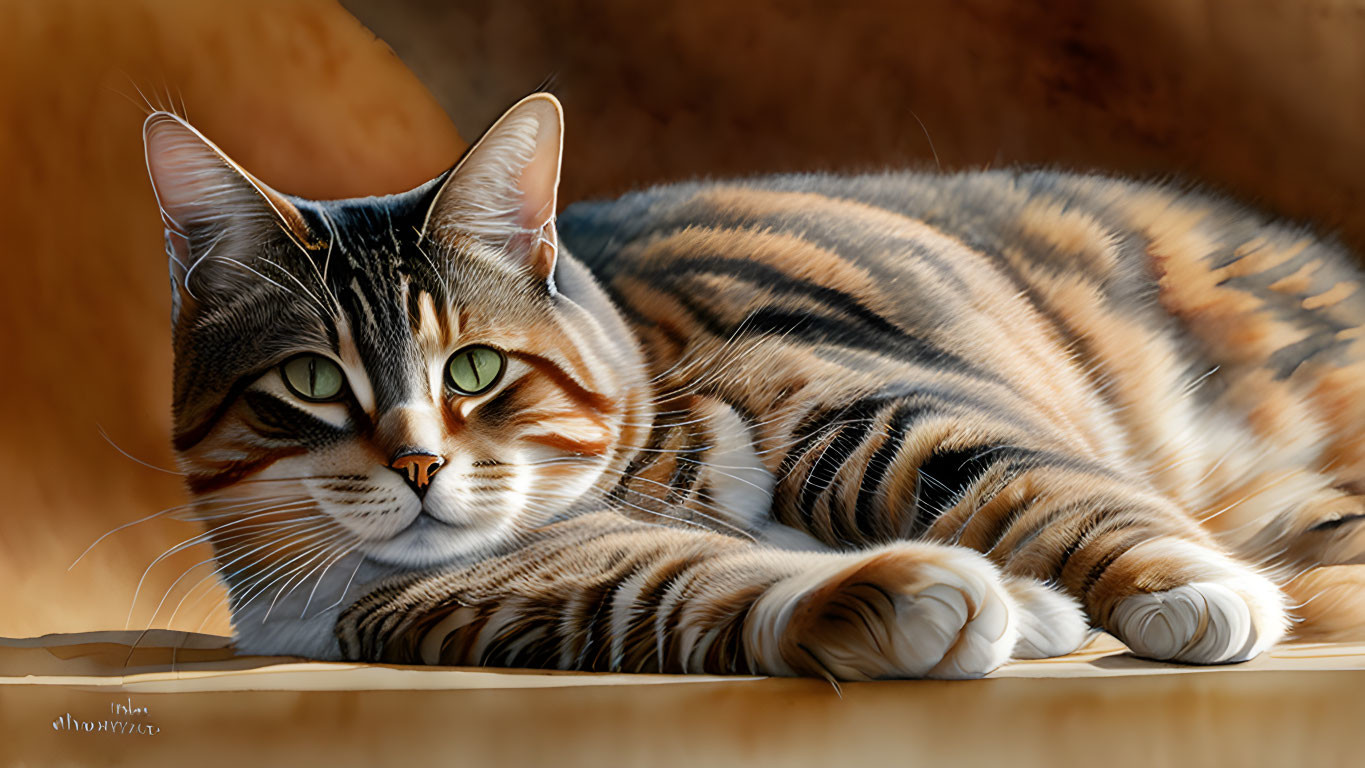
[[474, 368]]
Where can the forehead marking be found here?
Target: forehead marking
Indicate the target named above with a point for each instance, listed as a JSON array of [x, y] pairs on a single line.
[[370, 319], [432, 331], [354, 366]]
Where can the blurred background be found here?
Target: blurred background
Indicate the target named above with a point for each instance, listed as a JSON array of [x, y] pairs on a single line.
[[1261, 98]]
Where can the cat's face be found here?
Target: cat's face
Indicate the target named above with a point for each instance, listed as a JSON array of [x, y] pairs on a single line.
[[394, 376]]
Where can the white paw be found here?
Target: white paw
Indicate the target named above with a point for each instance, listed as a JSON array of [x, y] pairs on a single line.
[[1050, 623], [910, 610], [1230, 614]]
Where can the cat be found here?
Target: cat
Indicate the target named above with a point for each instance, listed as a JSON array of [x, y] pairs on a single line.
[[855, 427]]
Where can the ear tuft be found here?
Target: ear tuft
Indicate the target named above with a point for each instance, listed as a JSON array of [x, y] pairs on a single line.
[[505, 189]]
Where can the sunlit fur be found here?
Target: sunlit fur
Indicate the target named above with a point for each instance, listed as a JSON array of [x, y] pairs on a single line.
[[894, 425]]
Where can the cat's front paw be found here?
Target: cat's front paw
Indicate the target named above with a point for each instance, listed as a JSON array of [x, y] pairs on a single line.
[[907, 610], [1051, 623], [1225, 612]]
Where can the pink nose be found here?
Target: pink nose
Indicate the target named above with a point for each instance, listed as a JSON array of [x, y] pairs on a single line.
[[417, 468]]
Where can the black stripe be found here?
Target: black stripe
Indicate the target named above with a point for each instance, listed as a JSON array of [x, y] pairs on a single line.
[[1004, 522], [875, 250], [1132, 540], [772, 321], [1050, 519], [673, 663], [869, 512], [842, 520], [282, 421], [599, 627], [658, 435], [1097, 525], [1328, 525], [812, 328], [596, 602], [191, 437], [1285, 360], [832, 457], [946, 476], [1092, 519], [815, 425], [640, 633], [823, 475], [685, 468]]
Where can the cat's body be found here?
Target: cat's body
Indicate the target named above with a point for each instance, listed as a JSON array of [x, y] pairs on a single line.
[[892, 425]]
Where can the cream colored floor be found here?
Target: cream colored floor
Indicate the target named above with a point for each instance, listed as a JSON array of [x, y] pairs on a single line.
[[192, 698]]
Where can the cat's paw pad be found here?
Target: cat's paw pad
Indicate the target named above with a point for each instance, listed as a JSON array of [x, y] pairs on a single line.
[[1050, 623], [904, 611], [1228, 618]]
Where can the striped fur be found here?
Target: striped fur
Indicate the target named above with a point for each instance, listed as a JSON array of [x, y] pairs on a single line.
[[894, 425]]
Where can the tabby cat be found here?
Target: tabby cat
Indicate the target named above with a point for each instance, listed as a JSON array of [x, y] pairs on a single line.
[[892, 425]]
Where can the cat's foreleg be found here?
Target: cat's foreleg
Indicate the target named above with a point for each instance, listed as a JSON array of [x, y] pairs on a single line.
[[606, 593], [1037, 507], [1142, 569]]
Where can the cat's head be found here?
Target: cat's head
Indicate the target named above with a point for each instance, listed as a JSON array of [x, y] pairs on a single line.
[[417, 377]]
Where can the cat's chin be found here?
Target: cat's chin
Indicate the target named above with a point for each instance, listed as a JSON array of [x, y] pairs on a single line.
[[429, 542]]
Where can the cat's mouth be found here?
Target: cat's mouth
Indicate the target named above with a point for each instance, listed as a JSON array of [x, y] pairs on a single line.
[[427, 521], [428, 541]]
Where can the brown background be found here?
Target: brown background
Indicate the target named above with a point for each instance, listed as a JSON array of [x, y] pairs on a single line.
[[1263, 97]]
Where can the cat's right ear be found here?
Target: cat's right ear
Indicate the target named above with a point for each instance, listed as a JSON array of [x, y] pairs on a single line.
[[216, 214], [505, 189]]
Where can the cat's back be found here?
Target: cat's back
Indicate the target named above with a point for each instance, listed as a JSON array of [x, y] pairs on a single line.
[[1132, 290], [917, 251], [885, 224], [1153, 250]]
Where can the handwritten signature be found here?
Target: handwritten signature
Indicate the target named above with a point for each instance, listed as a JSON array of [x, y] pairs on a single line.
[[124, 718]]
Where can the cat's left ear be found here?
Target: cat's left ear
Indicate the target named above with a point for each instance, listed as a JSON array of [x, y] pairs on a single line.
[[504, 189]]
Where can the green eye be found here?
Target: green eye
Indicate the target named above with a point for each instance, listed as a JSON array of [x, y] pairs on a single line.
[[312, 377], [473, 370]]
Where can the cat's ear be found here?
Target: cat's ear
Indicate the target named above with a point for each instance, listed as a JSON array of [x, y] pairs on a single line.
[[504, 189], [211, 206]]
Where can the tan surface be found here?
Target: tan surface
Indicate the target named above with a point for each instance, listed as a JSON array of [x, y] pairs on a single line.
[[1293, 702], [296, 90]]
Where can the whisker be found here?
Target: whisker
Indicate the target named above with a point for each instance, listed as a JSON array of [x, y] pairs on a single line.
[[313, 592], [180, 548], [358, 562], [259, 584], [279, 593], [171, 511], [241, 591], [152, 620], [131, 457], [224, 562]]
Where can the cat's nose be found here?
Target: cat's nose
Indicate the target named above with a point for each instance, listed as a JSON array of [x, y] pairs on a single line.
[[417, 468]]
